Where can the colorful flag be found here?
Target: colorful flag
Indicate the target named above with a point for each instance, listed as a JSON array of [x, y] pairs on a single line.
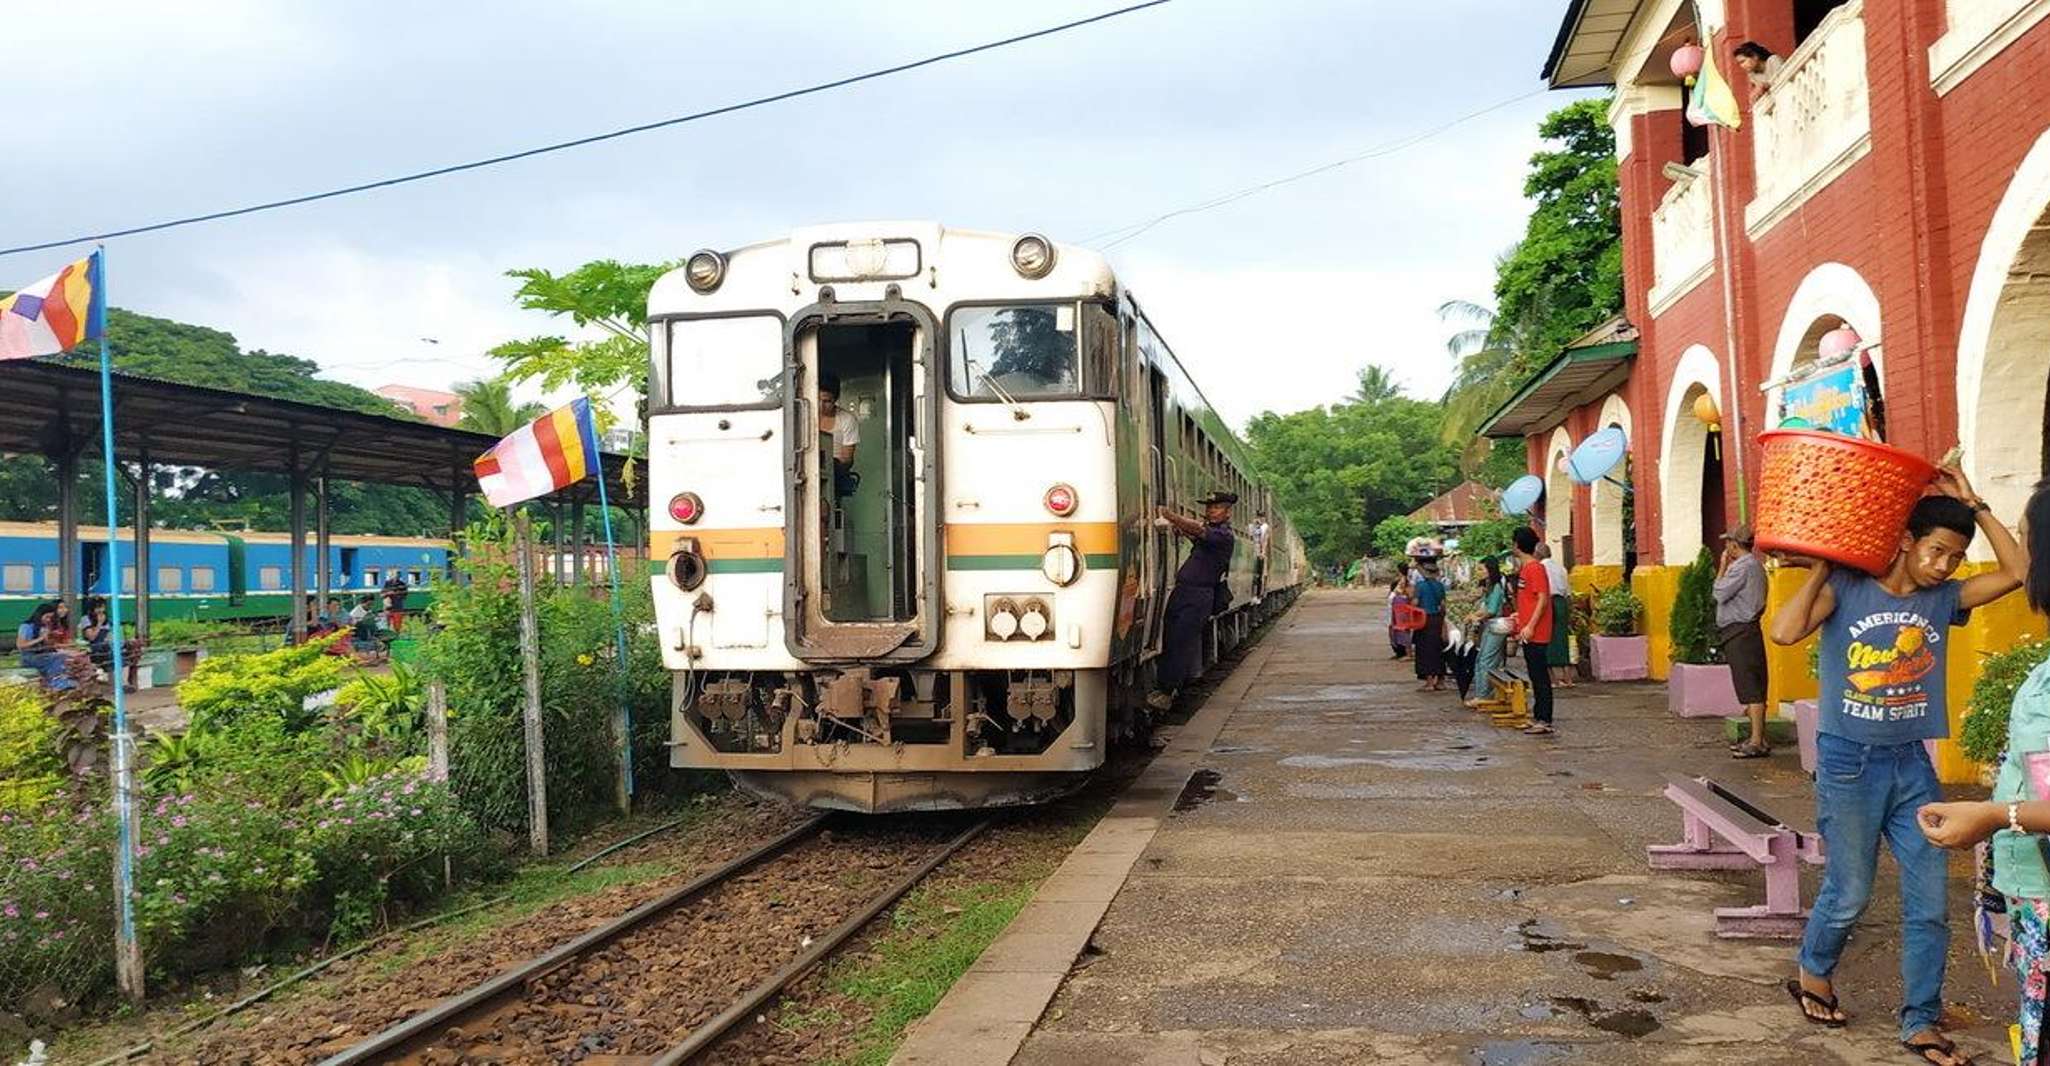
[[56, 313], [1712, 101], [552, 452]]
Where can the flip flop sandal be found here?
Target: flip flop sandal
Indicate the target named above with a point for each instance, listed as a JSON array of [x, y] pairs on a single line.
[[1921, 1050], [1749, 751], [1538, 730], [1802, 999]]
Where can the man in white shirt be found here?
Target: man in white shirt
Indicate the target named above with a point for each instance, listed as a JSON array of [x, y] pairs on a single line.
[[837, 421], [1562, 607]]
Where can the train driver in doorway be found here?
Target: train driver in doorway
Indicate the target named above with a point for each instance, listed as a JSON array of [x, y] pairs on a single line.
[[1194, 597], [839, 429]]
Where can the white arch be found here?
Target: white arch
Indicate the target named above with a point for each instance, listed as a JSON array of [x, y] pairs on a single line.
[[2003, 351], [1558, 493], [1607, 548], [1831, 291], [1683, 449]]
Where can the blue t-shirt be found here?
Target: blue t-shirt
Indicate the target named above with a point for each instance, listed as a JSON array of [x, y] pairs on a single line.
[[1429, 593], [1881, 661]]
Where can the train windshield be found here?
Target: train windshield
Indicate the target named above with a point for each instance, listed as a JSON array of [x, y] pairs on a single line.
[[1014, 352], [726, 362]]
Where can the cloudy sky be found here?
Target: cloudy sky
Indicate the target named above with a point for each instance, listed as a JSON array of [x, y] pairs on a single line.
[[143, 111]]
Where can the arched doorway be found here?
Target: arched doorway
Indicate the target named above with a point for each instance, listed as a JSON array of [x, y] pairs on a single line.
[[1559, 497], [2004, 345], [1691, 511], [1612, 540], [1831, 295]]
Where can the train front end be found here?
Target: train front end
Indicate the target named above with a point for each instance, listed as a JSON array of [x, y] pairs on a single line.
[[884, 480]]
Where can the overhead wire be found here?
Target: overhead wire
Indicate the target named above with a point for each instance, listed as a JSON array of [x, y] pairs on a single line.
[[558, 146]]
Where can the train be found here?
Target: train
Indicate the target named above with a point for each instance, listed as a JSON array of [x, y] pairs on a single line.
[[968, 610], [208, 574]]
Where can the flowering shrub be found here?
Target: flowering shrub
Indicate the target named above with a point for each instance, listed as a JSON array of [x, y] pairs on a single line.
[[56, 902], [232, 867], [30, 764], [275, 683], [370, 845]]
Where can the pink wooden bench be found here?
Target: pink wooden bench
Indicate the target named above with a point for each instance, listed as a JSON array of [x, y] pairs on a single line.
[[1725, 831]]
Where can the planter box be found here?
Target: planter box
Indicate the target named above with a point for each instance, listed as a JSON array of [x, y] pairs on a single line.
[[1621, 658], [1807, 719], [1779, 732], [1696, 691]]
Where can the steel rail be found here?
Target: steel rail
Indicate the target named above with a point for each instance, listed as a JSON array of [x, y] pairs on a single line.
[[449, 1010], [705, 1035]]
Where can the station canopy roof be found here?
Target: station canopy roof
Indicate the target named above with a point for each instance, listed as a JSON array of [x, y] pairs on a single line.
[[1584, 54], [45, 407], [1593, 367]]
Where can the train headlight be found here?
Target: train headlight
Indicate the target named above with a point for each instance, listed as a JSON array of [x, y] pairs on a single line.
[[1062, 564], [1034, 623], [1032, 256], [687, 565], [1003, 620], [704, 270], [1061, 500], [686, 507]]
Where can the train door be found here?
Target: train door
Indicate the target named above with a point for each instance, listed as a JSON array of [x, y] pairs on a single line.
[[862, 544], [1159, 536], [95, 568]]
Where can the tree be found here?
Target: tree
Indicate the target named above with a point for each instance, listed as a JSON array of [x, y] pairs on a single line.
[[1375, 385], [1339, 471], [489, 407], [1393, 534], [606, 294]]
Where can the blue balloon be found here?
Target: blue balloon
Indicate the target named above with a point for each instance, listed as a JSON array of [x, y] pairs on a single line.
[[1600, 453], [1522, 494]]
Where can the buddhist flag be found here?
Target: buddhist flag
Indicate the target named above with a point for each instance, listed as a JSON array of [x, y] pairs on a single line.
[[56, 313], [552, 452], [1711, 101]]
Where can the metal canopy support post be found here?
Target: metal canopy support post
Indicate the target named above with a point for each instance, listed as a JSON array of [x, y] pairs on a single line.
[[143, 476], [458, 513], [297, 631], [323, 567], [576, 541], [67, 527]]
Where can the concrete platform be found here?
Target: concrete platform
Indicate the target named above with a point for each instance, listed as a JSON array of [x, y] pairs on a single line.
[[1363, 873]]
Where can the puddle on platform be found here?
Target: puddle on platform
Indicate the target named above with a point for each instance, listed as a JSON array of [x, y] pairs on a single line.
[[1394, 760], [1606, 965], [1628, 1021], [1201, 789], [1539, 940], [1233, 749], [1328, 694], [1520, 1053]]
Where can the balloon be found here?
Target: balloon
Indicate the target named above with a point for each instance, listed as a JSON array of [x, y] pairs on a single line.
[[1522, 494], [1597, 455]]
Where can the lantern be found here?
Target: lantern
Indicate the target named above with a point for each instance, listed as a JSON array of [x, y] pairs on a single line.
[[1838, 343], [1706, 410], [1686, 62]]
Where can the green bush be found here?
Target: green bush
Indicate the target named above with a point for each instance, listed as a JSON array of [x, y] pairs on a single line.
[[31, 748], [1984, 736], [1489, 538], [214, 877], [277, 683], [189, 632], [1394, 533], [1616, 611], [370, 847], [1693, 624]]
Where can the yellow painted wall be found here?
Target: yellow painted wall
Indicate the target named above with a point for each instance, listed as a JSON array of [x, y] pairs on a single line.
[[1787, 674], [1656, 587], [1994, 628]]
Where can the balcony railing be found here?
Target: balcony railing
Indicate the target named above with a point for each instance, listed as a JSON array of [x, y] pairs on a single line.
[[1815, 120], [1682, 239]]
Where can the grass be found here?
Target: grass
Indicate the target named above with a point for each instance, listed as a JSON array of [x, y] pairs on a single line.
[[935, 935]]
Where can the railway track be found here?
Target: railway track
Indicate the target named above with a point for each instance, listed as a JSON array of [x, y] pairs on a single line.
[[668, 979]]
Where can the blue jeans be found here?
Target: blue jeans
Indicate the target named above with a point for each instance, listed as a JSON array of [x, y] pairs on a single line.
[[1864, 792]]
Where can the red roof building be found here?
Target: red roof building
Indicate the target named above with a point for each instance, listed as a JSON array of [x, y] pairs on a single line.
[[440, 408], [1463, 506]]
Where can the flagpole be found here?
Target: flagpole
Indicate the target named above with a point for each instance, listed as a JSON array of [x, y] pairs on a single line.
[[128, 954], [626, 719]]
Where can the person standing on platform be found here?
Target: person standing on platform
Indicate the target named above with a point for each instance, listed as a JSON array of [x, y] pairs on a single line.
[[1881, 663], [1560, 652], [1195, 594], [1427, 593], [1398, 596], [1534, 623], [395, 590], [1739, 605]]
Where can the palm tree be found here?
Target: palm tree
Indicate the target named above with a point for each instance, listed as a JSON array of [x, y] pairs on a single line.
[[1490, 355], [1375, 385], [488, 407]]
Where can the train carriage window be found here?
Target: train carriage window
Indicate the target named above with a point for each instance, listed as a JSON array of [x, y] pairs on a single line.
[[18, 577], [128, 577], [726, 362], [372, 578], [170, 578], [270, 577], [202, 579], [1013, 352], [52, 578]]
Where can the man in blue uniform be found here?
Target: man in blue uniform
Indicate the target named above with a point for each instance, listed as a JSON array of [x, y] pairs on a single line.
[[1194, 598]]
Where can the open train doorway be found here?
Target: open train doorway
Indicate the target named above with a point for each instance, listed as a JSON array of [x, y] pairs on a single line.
[[867, 533]]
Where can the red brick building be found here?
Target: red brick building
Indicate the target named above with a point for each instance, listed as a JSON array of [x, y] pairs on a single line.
[[1893, 177]]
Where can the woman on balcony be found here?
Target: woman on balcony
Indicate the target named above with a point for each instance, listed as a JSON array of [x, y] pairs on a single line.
[[1759, 64]]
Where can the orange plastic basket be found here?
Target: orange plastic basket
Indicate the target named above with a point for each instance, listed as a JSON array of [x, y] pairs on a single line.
[[1837, 498], [1409, 617]]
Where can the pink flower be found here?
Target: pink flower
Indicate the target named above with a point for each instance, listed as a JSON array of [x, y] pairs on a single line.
[[178, 822], [11, 911]]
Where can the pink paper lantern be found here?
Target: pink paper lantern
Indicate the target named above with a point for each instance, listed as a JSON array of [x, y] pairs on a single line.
[[1838, 343], [1686, 62]]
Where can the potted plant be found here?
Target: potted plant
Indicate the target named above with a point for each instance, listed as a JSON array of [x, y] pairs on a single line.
[[1700, 686], [1620, 651], [1984, 736]]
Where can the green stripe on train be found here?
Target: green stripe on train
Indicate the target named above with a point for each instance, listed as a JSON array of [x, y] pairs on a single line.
[[730, 566]]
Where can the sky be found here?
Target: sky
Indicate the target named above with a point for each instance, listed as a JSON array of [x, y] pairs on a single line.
[[148, 111]]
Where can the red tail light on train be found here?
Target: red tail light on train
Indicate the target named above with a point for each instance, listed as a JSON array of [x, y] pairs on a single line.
[[686, 507]]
